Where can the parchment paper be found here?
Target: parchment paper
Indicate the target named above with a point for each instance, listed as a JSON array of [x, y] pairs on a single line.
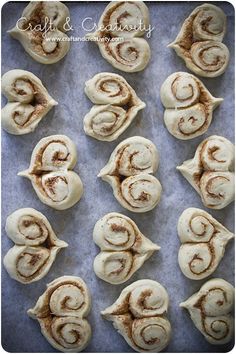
[[65, 82]]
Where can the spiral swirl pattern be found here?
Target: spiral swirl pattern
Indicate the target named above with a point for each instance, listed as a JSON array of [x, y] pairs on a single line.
[[139, 316], [115, 232], [28, 102], [199, 42], [129, 170], [116, 105], [203, 240], [124, 248], [217, 189], [210, 310], [114, 267], [148, 299], [36, 245], [217, 155], [61, 311], [211, 171], [141, 192], [210, 57], [209, 23], [120, 27], [108, 88], [151, 334], [40, 31], [70, 333], [189, 105], [50, 172]]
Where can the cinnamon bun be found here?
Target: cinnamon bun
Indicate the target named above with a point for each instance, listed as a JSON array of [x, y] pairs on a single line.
[[41, 31], [28, 102], [199, 42], [203, 240], [210, 310], [139, 315], [124, 248], [189, 106], [211, 171], [118, 36], [61, 312], [128, 171], [36, 245], [116, 106], [50, 173]]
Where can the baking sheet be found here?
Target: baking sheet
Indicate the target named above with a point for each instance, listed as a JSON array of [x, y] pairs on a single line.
[[65, 82]]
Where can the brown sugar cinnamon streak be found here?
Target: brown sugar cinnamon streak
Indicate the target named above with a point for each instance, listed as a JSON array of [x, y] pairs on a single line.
[[36, 245], [129, 170], [116, 106], [139, 315], [50, 172], [199, 42], [211, 171], [118, 36], [124, 248], [61, 312]]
